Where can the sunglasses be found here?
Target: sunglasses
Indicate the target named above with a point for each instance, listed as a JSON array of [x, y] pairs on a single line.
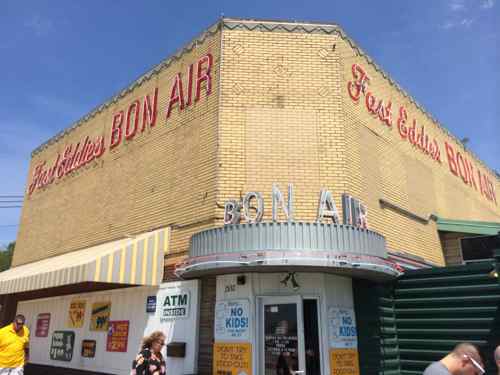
[[476, 364]]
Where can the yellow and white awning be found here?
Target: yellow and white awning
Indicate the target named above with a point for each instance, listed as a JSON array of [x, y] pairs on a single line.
[[134, 261]]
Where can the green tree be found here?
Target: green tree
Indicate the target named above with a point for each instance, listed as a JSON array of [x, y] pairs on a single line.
[[6, 256]]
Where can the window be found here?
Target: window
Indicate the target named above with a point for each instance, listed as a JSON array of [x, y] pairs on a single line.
[[479, 248]]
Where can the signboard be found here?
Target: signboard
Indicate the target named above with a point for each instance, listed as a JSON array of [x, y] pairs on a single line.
[[174, 304], [99, 319], [61, 347], [151, 304], [117, 336], [342, 328], [344, 362], [232, 359], [42, 325], [126, 124], [76, 313], [88, 348], [232, 320]]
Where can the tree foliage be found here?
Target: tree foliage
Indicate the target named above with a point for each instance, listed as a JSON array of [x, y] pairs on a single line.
[[6, 256]]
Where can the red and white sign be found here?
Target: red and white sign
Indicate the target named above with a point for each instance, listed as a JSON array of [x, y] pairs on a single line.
[[117, 336], [42, 325], [126, 123], [416, 134], [462, 167]]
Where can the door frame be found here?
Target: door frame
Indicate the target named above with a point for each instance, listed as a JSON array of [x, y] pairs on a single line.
[[274, 300]]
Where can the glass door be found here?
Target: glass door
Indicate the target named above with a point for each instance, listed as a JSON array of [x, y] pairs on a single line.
[[282, 336]]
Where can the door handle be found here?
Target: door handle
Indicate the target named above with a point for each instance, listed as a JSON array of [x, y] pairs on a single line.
[[298, 372]]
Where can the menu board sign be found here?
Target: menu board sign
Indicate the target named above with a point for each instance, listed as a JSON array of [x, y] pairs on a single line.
[[88, 348], [42, 325], [117, 336], [99, 320], [61, 346], [76, 313]]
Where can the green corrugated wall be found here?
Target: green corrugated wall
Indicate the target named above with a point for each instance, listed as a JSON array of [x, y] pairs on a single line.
[[405, 325]]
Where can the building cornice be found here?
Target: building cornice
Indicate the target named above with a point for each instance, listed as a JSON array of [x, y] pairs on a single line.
[[257, 25], [138, 82], [334, 29]]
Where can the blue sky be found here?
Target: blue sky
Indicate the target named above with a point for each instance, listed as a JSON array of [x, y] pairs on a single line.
[[60, 59]]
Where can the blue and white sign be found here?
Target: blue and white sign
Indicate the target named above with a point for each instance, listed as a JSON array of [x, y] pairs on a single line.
[[232, 320], [151, 304], [342, 328]]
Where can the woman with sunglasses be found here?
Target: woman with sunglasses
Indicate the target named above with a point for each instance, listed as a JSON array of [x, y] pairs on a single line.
[[150, 361]]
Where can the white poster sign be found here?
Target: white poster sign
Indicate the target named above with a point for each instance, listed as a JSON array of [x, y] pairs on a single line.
[[173, 303], [232, 320], [342, 328]]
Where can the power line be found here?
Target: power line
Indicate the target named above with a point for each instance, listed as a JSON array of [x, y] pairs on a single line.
[[11, 196], [10, 206], [8, 225], [11, 201]]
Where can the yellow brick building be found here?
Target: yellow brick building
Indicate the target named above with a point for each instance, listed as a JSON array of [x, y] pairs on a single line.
[[246, 105]]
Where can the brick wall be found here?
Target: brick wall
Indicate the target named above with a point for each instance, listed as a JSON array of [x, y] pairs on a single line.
[[286, 117], [163, 176], [282, 114], [451, 247]]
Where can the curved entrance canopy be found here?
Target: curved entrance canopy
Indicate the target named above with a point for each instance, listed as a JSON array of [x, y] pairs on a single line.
[[291, 246]]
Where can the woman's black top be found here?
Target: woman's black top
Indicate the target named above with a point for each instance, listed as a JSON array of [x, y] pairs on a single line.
[[148, 363]]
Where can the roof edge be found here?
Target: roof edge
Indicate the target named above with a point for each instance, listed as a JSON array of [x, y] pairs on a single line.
[[468, 226], [252, 24], [211, 30], [332, 28]]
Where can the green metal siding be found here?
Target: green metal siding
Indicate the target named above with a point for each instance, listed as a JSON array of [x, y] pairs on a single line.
[[405, 325], [375, 319], [438, 308]]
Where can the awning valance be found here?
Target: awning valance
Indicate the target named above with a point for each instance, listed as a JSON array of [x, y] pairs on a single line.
[[467, 226], [136, 261]]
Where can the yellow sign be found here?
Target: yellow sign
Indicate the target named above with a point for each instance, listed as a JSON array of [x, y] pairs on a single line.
[[344, 362], [76, 313], [232, 358], [99, 320]]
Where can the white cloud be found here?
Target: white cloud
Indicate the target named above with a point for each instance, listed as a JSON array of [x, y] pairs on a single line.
[[457, 5], [448, 25], [466, 22], [459, 23], [487, 4]]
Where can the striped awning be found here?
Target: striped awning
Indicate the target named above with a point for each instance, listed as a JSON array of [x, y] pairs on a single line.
[[137, 260]]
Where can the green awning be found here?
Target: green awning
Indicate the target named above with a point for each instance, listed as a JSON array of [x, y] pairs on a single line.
[[466, 226]]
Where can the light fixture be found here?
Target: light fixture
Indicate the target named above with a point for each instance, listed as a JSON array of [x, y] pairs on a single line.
[[295, 284], [284, 281], [290, 277], [493, 274]]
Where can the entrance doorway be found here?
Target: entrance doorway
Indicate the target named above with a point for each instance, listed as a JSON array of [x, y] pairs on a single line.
[[289, 336]]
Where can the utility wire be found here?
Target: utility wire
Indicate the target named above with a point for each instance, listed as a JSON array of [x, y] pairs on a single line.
[[11, 201], [10, 206], [11, 196]]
